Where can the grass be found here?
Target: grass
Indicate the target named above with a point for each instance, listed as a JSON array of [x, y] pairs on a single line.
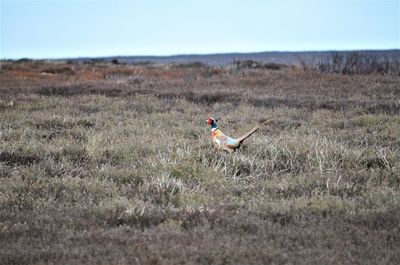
[[108, 163]]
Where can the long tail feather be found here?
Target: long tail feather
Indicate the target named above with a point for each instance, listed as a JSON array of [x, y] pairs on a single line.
[[249, 133]]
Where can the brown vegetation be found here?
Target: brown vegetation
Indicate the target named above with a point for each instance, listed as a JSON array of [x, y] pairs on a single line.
[[111, 163], [358, 63]]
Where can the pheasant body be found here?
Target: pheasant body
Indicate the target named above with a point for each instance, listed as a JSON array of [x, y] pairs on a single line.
[[224, 142]]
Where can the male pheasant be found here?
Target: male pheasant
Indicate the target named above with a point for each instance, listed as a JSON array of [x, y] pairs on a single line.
[[226, 143]]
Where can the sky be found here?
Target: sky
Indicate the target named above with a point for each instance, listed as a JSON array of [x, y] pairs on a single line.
[[90, 28]]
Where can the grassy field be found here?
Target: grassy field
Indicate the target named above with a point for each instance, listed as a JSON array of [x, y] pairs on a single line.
[[105, 163]]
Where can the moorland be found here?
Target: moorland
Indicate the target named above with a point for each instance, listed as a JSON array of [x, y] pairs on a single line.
[[112, 163]]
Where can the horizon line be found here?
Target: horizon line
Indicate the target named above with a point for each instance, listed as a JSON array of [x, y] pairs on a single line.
[[197, 54]]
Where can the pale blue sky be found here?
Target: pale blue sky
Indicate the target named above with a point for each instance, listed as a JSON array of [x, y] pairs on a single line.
[[54, 29]]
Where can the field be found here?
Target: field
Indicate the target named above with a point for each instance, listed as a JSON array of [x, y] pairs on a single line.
[[110, 163]]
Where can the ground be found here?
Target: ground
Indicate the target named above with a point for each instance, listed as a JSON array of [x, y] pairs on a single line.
[[105, 163]]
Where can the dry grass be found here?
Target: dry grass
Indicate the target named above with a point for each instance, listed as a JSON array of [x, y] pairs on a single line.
[[112, 164]]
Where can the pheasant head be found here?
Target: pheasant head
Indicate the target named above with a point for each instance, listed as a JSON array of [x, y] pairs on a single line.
[[212, 122]]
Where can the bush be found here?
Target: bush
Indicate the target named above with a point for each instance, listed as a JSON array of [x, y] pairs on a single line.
[[358, 63], [250, 64]]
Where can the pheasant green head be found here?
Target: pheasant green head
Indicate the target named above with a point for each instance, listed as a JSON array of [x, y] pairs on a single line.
[[212, 122]]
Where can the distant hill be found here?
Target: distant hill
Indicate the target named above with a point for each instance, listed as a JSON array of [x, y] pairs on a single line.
[[290, 58]]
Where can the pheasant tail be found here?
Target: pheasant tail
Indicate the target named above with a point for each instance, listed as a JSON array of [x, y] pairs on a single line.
[[249, 133]]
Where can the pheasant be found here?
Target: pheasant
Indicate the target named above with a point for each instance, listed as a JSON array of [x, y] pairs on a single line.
[[226, 143]]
